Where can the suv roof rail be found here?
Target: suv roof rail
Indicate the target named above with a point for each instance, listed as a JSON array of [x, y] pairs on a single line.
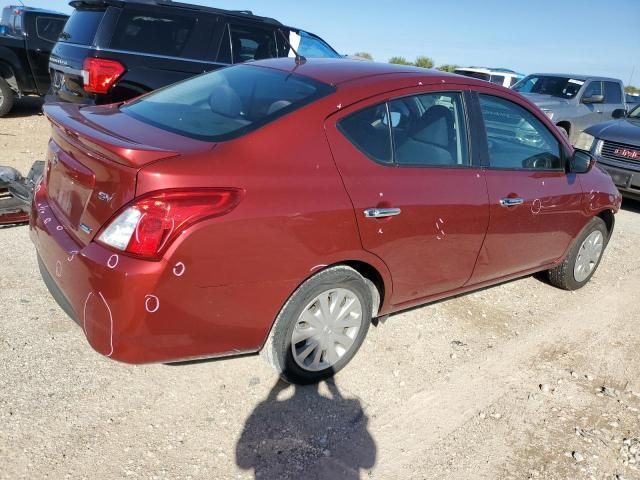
[[171, 4]]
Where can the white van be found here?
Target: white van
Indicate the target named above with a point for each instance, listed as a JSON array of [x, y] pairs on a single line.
[[500, 76]]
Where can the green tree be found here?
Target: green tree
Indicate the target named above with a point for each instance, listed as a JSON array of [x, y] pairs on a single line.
[[365, 55], [447, 68], [424, 62], [399, 61], [631, 89]]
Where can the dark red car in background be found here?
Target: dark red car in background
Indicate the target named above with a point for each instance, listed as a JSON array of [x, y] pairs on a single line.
[[280, 207]]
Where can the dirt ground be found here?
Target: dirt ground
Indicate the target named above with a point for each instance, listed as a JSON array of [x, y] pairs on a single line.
[[517, 381]]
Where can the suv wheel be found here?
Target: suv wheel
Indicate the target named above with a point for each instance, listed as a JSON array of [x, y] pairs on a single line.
[[321, 327], [7, 97], [583, 258]]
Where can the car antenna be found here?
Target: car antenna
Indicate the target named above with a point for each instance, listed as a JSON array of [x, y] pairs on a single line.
[[300, 60]]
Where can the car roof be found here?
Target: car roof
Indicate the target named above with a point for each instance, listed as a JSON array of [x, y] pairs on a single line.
[[246, 14], [36, 10], [489, 70], [335, 71], [574, 76]]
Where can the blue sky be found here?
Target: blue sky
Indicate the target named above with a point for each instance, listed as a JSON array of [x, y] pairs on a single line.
[[571, 36]]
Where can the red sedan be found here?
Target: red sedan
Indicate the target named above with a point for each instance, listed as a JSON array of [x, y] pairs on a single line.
[[279, 207]]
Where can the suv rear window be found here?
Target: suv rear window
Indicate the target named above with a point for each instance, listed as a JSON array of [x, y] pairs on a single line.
[[145, 32], [226, 103], [82, 27]]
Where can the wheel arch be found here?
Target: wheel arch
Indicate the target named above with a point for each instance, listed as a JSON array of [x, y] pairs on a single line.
[[609, 220], [566, 125]]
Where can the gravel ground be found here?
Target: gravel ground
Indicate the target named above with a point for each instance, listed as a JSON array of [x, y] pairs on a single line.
[[513, 382]]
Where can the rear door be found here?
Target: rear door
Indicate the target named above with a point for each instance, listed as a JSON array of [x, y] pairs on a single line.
[[420, 201], [613, 99], [43, 32], [535, 207]]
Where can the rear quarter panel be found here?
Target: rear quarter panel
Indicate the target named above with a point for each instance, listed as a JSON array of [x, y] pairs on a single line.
[[295, 218]]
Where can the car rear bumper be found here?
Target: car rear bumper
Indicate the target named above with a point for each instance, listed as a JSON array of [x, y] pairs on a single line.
[[626, 180], [135, 310]]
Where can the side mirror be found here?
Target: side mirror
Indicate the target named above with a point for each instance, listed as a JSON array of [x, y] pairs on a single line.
[[581, 162], [619, 113], [593, 99]]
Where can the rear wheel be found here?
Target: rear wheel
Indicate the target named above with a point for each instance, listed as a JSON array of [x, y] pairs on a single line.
[[321, 327], [7, 97], [583, 259]]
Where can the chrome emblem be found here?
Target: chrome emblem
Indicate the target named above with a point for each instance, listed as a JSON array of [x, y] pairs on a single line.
[[85, 228], [105, 197]]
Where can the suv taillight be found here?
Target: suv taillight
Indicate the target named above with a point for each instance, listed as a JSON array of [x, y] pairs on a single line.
[[147, 227], [99, 74]]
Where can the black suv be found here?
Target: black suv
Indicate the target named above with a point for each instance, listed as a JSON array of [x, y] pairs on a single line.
[[27, 36], [113, 50]]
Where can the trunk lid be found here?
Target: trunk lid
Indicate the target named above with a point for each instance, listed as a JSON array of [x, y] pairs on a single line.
[[93, 160]]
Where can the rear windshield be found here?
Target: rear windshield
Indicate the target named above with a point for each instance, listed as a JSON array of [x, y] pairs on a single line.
[[226, 103], [82, 27], [479, 75]]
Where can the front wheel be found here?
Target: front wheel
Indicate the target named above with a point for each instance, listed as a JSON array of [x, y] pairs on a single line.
[[321, 327], [7, 97], [583, 259]]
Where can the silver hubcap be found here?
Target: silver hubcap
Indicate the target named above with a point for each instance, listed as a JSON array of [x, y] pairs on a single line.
[[326, 329], [588, 256]]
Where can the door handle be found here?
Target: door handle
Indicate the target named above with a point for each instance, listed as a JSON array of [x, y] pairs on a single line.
[[598, 111], [381, 212], [510, 202]]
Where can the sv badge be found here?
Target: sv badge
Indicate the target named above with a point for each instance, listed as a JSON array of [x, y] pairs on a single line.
[[105, 197]]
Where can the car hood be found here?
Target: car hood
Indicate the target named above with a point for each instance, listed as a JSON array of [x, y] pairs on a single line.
[[625, 130], [545, 101]]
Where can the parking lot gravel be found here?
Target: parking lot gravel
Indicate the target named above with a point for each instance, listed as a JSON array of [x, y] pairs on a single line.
[[517, 381]]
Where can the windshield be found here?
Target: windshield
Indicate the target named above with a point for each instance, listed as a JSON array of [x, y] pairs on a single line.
[[562, 87], [226, 103]]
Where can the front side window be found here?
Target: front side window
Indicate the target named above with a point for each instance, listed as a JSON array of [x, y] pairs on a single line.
[[49, 28], [226, 103], [159, 34], [561, 87], [417, 130], [612, 92], [516, 138], [308, 46], [594, 88], [251, 43]]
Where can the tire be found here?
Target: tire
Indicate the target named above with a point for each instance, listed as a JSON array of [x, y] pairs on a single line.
[[570, 276], [339, 286], [7, 97]]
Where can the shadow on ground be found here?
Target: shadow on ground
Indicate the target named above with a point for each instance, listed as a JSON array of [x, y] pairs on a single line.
[[297, 432], [26, 107], [631, 205]]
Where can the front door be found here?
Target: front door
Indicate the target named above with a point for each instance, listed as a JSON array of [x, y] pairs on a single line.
[[535, 207], [44, 31], [420, 203]]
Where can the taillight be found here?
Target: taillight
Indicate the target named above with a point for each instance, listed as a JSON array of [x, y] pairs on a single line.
[[99, 74], [148, 226]]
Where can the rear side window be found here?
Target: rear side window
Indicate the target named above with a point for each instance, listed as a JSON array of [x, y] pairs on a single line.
[[516, 138], [226, 103], [497, 79], [368, 129], [429, 130], [49, 28], [82, 26], [159, 34], [612, 92]]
